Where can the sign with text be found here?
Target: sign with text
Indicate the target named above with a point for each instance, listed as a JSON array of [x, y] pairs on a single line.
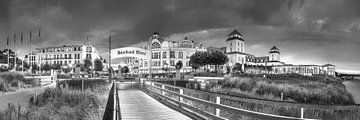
[[130, 52]]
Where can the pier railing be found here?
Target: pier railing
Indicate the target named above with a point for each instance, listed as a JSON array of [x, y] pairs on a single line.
[[112, 110], [175, 95]]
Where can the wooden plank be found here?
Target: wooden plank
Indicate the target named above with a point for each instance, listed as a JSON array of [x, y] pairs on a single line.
[[136, 105]]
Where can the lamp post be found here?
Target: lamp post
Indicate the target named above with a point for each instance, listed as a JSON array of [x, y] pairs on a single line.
[[150, 62], [166, 65], [15, 61]]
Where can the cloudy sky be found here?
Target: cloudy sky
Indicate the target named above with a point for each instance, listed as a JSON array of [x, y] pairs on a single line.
[[306, 31]]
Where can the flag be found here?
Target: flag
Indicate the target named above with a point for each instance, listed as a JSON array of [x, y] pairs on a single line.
[[39, 32], [7, 40], [30, 35], [21, 39], [14, 38]]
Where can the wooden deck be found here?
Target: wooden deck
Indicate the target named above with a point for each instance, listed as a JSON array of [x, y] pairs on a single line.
[[136, 105]]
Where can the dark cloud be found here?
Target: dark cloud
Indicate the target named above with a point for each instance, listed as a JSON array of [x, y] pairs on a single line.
[[320, 23]]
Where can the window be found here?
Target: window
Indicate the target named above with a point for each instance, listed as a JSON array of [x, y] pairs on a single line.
[[146, 63], [164, 63], [164, 55], [172, 63], [155, 45], [70, 56], [155, 55], [65, 56], [88, 56], [172, 54], [180, 54], [186, 44], [88, 49]]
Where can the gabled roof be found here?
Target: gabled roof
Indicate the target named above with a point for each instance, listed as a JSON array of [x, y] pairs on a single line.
[[274, 48], [234, 32], [326, 65]]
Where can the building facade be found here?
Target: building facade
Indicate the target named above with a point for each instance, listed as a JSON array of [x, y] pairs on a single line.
[[64, 55], [235, 50], [165, 54]]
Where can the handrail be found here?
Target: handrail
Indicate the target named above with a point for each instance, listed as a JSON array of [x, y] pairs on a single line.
[[112, 109], [217, 105], [271, 102]]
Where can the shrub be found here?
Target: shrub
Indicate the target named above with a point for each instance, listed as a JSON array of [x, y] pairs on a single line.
[[294, 87]]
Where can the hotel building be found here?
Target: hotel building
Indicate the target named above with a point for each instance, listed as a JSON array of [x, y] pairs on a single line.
[[235, 50], [64, 55], [166, 53]]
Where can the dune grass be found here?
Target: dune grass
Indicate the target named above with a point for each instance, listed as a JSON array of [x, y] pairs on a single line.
[[293, 89], [62, 104]]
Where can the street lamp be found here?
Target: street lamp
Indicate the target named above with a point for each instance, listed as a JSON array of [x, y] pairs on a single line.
[[166, 69], [15, 61]]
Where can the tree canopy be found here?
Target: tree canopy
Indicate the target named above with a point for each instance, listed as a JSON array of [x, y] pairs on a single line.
[[98, 65], [125, 69], [87, 64], [179, 65], [208, 58]]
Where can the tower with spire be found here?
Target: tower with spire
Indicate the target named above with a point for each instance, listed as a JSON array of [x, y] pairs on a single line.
[[235, 42], [274, 54]]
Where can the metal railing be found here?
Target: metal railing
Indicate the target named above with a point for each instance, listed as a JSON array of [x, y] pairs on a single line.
[[176, 95], [112, 110]]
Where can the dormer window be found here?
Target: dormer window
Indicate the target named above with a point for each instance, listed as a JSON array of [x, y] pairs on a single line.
[[155, 45]]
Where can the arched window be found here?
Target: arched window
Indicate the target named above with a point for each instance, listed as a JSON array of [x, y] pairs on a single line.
[[88, 49], [155, 45], [186, 44], [164, 54]]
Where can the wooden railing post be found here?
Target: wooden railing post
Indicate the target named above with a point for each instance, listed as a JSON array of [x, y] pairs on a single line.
[[302, 113], [181, 98], [114, 105], [217, 110], [163, 88]]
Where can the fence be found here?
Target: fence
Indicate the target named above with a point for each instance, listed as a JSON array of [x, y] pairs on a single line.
[[175, 95], [112, 110]]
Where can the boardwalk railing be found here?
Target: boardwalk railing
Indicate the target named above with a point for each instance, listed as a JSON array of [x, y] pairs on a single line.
[[175, 95], [112, 110]]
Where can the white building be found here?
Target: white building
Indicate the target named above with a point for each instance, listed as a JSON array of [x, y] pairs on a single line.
[[307, 70], [166, 53], [158, 54], [235, 50], [64, 55]]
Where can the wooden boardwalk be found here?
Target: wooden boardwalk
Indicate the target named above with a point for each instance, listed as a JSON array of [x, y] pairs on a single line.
[[136, 105]]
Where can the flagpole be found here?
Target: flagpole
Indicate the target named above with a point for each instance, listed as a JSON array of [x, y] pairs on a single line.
[[15, 51], [8, 51], [110, 72], [29, 57], [22, 65]]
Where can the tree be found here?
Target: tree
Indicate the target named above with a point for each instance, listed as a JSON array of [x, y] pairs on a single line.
[[56, 66], [98, 65], [125, 69], [34, 67], [199, 59], [237, 67], [217, 58], [66, 69], [46, 67], [87, 65], [178, 67]]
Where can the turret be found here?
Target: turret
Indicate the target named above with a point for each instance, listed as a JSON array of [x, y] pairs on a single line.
[[235, 42], [274, 54]]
